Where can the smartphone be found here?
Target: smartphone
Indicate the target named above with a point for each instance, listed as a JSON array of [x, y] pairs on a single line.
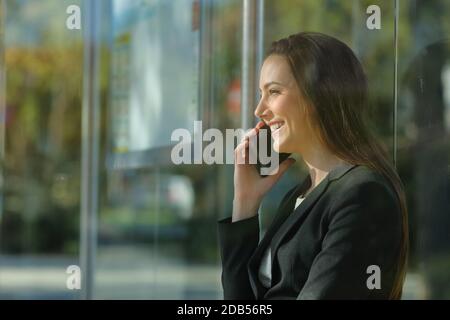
[[281, 156]]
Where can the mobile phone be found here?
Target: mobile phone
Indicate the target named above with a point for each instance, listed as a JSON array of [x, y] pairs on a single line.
[[268, 150]]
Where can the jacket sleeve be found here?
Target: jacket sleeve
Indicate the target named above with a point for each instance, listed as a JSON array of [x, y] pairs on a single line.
[[238, 240], [363, 233]]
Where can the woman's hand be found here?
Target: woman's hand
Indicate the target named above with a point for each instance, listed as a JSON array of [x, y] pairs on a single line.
[[249, 187]]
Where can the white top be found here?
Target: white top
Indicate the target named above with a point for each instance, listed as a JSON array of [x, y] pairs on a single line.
[[265, 269]]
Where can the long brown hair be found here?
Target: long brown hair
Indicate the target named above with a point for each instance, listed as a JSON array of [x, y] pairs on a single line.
[[333, 82]]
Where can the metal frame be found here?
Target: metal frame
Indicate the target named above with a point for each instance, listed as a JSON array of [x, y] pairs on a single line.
[[252, 55], [2, 100], [2, 76], [90, 146], [395, 113], [205, 89]]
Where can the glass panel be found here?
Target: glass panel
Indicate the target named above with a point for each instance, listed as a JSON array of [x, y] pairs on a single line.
[[152, 42], [423, 141], [163, 65], [39, 222], [157, 234]]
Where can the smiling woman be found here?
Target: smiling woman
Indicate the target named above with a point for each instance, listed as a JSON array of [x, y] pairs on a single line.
[[347, 217], [281, 107]]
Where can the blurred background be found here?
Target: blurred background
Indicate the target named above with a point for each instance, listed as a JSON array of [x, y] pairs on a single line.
[[85, 135]]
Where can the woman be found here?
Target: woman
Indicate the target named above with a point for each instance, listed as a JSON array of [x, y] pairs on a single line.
[[341, 233]]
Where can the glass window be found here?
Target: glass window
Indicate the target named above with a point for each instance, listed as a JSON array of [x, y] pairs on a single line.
[[157, 235], [423, 129], [40, 165], [97, 107]]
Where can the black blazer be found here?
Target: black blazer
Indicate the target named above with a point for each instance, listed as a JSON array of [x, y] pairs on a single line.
[[322, 250]]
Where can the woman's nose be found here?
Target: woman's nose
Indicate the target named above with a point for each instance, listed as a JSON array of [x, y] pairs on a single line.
[[261, 110]]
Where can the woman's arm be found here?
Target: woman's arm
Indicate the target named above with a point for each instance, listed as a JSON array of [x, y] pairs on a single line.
[[238, 240], [364, 230]]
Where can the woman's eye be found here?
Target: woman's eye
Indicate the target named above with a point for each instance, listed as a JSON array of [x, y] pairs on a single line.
[[273, 91]]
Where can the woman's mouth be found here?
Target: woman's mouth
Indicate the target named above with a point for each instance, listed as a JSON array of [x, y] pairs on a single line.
[[276, 125]]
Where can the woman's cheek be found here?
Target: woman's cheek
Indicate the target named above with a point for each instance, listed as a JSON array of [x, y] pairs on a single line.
[[279, 105]]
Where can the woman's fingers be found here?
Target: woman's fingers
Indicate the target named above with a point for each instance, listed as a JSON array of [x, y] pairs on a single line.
[[260, 124], [249, 139], [245, 149], [241, 152], [250, 133]]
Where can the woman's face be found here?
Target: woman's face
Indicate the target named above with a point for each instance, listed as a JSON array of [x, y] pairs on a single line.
[[281, 108]]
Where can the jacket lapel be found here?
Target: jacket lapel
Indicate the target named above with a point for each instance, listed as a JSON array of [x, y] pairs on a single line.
[[285, 220], [282, 213], [296, 218]]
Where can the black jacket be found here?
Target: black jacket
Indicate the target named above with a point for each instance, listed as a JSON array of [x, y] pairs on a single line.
[[323, 249]]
